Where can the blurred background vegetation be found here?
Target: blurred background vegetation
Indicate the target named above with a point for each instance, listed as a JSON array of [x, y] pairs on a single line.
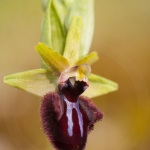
[[122, 40]]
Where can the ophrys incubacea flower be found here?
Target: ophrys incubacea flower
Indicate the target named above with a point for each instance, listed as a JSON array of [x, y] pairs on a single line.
[[66, 78]]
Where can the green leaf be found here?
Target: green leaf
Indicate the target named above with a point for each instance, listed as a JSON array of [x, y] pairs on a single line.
[[53, 34], [72, 46], [89, 59], [53, 60], [99, 86], [84, 9], [38, 81]]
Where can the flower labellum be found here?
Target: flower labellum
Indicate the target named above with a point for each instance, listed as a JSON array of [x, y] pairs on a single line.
[[68, 117]]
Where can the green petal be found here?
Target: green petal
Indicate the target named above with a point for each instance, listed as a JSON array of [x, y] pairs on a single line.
[[84, 9], [53, 60], [72, 46], [89, 59], [99, 86], [53, 34], [38, 81]]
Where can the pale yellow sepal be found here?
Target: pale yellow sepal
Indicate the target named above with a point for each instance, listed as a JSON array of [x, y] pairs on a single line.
[[53, 60], [99, 86], [38, 81]]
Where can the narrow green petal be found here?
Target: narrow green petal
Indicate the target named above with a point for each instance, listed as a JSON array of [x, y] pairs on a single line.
[[53, 60], [84, 9], [72, 46], [53, 34], [99, 86], [38, 81], [89, 59]]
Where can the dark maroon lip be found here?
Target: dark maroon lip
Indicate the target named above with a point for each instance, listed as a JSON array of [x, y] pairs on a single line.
[[56, 124], [68, 117]]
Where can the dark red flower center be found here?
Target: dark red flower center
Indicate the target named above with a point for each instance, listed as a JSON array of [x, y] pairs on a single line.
[[72, 89]]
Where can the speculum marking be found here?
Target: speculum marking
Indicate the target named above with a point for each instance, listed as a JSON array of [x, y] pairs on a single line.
[[70, 107]]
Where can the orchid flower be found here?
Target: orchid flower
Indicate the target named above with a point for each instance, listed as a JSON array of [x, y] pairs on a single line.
[[65, 81]]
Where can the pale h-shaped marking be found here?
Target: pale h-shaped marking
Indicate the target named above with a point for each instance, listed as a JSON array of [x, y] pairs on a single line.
[[70, 106]]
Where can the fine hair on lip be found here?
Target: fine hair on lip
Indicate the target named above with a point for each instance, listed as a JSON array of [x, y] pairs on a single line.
[[60, 132]]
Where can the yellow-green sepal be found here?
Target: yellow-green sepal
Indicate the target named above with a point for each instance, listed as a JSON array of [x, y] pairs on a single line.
[[38, 81], [89, 59], [99, 86], [54, 61], [72, 47]]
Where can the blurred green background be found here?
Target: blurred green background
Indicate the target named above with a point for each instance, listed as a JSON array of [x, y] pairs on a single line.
[[122, 40]]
